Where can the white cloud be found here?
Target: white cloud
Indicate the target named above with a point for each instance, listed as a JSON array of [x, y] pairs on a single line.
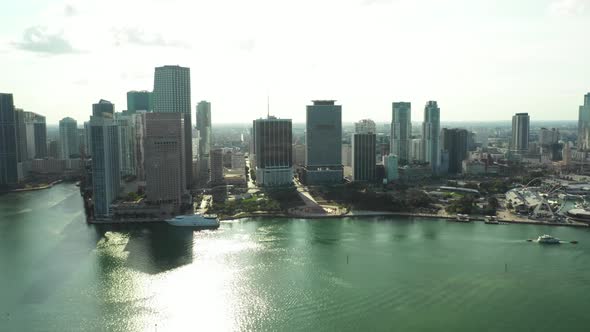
[[568, 7], [39, 40]]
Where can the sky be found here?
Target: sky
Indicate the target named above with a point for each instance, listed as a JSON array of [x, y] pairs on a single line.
[[481, 60]]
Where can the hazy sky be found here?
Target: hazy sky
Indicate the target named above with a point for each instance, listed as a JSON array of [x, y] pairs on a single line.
[[481, 60]]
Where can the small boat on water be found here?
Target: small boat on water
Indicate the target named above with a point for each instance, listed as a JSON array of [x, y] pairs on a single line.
[[195, 221], [463, 217], [547, 239], [492, 220]]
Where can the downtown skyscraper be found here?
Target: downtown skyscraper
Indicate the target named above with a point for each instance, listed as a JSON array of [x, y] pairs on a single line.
[[401, 130], [139, 101], [584, 124], [164, 158], [204, 130], [8, 144], [431, 135], [520, 133], [68, 138], [273, 151], [104, 148], [323, 143], [172, 94]]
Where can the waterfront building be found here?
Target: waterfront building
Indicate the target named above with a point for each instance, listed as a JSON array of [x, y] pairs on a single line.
[[164, 158], [363, 157], [520, 133], [127, 145], [204, 132], [431, 135], [401, 131], [454, 143], [273, 145], [584, 124], [139, 101], [216, 167], [8, 142], [323, 143], [365, 126], [139, 125], [68, 138], [104, 148], [390, 163], [172, 94]]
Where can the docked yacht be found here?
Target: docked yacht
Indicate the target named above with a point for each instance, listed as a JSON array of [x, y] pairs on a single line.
[[547, 239], [195, 220], [463, 217]]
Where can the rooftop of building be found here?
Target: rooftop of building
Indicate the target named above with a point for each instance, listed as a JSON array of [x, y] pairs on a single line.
[[324, 102]]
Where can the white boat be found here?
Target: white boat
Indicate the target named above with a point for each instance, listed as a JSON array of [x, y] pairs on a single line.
[[463, 217], [195, 220], [548, 239]]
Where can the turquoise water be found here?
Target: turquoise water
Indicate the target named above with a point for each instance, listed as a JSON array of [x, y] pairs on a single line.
[[59, 274]]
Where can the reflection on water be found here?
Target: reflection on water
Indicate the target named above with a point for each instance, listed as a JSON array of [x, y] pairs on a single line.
[[57, 273]]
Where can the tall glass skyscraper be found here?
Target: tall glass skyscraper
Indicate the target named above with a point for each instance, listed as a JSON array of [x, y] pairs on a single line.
[[520, 133], [431, 135], [323, 143], [401, 131], [363, 157], [455, 144], [104, 148], [204, 129], [8, 144], [172, 94], [584, 124], [68, 138], [274, 151]]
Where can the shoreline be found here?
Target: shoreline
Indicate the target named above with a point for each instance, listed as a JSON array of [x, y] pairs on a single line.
[[19, 190]]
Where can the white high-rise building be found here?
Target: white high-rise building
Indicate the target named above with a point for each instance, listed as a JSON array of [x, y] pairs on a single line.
[[431, 135], [164, 158], [401, 130], [68, 138], [204, 130], [584, 124], [104, 148], [417, 150], [520, 133], [172, 94]]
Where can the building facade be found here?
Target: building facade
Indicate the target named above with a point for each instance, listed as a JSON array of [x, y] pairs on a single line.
[[363, 157], [584, 124], [520, 133], [390, 163], [323, 139], [104, 147], [172, 94], [216, 157], [139, 101], [8, 143], [454, 142], [68, 138], [431, 135], [204, 131], [127, 160], [164, 158], [273, 151], [401, 131]]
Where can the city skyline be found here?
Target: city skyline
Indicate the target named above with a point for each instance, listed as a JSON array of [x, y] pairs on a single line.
[[513, 58]]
